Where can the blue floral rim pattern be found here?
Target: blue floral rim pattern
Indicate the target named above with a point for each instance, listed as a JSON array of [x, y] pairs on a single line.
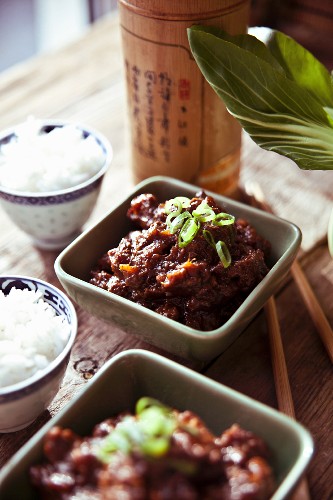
[[50, 296], [50, 199]]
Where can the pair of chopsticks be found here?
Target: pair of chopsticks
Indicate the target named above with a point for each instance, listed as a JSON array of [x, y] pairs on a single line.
[[323, 327], [280, 372]]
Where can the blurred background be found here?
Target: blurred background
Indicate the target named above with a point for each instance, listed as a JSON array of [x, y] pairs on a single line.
[[310, 22], [31, 27]]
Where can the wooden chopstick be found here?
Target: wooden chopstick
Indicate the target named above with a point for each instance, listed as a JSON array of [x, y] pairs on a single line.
[[317, 314], [282, 386], [281, 379], [315, 310]]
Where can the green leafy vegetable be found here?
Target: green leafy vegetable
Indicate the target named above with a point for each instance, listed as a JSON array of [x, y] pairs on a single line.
[[278, 91]]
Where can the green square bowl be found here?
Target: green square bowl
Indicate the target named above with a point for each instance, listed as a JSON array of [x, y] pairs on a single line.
[[74, 264], [137, 373]]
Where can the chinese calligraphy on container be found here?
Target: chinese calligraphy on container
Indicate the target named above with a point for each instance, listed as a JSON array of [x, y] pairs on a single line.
[[179, 126]]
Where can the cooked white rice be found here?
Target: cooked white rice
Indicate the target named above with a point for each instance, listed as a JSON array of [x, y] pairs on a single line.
[[31, 335], [42, 162]]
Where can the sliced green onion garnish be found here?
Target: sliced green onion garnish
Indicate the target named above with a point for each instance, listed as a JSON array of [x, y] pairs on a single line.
[[209, 237], [176, 204], [224, 219], [171, 216], [208, 215], [189, 224], [149, 432], [184, 201], [223, 253], [203, 207], [156, 447], [154, 421], [146, 402], [179, 221], [204, 212], [173, 206], [220, 247], [188, 232]]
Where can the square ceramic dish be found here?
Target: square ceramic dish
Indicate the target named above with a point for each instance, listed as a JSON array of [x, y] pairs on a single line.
[[137, 373], [75, 263]]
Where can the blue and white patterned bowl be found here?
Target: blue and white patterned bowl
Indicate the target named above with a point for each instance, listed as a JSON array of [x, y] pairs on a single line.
[[53, 219], [23, 402]]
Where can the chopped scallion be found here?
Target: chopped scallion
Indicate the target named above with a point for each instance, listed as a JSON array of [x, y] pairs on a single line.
[[204, 212], [148, 432], [223, 253], [189, 224], [188, 232], [223, 219], [220, 247], [179, 221], [176, 204], [209, 237]]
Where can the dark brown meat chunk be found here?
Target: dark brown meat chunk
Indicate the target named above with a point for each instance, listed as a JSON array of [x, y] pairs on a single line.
[[143, 209], [197, 466], [189, 284]]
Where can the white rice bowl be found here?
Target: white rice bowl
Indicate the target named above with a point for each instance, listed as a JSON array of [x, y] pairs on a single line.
[[39, 162], [31, 335]]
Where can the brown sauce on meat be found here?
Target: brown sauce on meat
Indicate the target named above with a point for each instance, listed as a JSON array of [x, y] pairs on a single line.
[[190, 284], [197, 466]]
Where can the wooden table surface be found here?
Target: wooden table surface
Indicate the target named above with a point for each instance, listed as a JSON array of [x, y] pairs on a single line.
[[85, 82]]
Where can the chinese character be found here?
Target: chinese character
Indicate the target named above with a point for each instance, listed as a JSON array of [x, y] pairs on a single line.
[[164, 79], [151, 76], [165, 123], [182, 124], [165, 142], [182, 141], [184, 89], [136, 70]]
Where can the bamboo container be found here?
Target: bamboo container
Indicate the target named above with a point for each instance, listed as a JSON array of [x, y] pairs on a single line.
[[179, 126]]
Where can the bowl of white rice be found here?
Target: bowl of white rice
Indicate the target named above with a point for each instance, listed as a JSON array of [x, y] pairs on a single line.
[[51, 173], [38, 326]]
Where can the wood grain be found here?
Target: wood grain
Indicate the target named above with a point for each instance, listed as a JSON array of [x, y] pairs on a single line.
[[85, 82]]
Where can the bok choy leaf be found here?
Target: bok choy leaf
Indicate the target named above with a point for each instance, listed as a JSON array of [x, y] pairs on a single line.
[[278, 91]]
